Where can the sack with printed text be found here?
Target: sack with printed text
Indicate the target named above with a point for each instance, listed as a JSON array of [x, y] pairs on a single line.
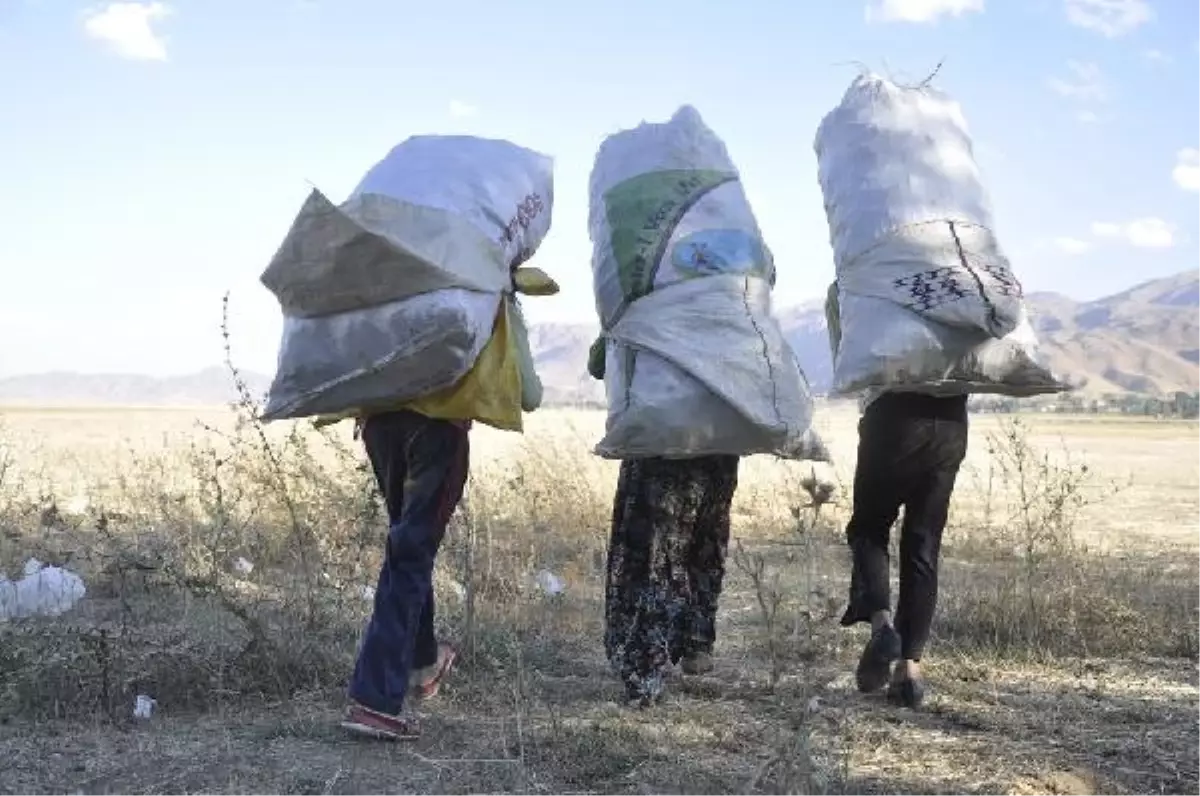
[[393, 295], [926, 298], [693, 361]]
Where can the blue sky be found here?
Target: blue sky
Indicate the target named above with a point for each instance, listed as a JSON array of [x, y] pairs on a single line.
[[154, 153]]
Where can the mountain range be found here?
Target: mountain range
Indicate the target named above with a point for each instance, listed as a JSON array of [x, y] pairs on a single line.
[[1143, 340]]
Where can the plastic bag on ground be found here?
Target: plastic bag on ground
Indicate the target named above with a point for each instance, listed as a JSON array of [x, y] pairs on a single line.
[[393, 295], [694, 363], [927, 299], [43, 591]]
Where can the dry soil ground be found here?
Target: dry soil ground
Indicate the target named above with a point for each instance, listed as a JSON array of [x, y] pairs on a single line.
[[1065, 657]]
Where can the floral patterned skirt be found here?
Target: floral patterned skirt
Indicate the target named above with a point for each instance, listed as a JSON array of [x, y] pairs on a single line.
[[666, 563]]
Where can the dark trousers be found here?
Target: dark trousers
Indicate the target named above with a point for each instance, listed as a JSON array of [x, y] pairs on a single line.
[[666, 563], [421, 467], [910, 448]]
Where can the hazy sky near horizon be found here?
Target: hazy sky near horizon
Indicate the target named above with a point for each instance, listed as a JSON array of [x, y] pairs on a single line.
[[154, 153]]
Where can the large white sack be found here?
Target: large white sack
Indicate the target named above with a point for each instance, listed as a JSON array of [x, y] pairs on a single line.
[[695, 363], [437, 212], [686, 375], [393, 294], [894, 348], [889, 157], [380, 355], [928, 298]]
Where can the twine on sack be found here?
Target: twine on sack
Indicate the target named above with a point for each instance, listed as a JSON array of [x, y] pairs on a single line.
[[960, 251], [919, 86], [993, 315], [762, 337]]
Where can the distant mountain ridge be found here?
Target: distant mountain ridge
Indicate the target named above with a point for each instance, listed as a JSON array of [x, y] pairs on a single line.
[[1142, 340], [209, 387]]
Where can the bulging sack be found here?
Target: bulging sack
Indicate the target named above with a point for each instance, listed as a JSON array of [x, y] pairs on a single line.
[[694, 363], [927, 299], [437, 212], [393, 294], [379, 355]]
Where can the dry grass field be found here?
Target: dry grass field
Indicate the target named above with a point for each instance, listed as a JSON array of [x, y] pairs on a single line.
[[1064, 660]]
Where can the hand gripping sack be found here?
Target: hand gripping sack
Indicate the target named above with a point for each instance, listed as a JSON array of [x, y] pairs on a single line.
[[693, 361], [394, 294], [927, 300]]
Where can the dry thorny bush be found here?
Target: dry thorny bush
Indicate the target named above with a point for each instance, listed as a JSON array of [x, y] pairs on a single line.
[[246, 567]]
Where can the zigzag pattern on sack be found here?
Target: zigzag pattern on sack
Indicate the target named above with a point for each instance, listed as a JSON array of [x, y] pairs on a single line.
[[931, 288], [1005, 281], [934, 287]]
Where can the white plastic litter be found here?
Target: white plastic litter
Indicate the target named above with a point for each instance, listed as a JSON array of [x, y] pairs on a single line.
[[925, 296], [78, 504], [393, 294], [43, 591], [549, 583], [694, 362], [243, 566], [143, 706]]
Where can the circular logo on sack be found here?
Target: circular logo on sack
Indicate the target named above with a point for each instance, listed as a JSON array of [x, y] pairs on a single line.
[[722, 251]]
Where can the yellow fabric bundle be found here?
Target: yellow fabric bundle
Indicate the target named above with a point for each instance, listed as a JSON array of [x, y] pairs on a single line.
[[501, 385]]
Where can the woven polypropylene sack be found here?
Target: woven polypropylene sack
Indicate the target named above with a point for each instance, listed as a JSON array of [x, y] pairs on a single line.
[[694, 362], [928, 297]]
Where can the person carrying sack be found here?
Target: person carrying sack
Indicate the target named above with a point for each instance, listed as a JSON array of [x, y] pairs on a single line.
[[910, 448], [420, 454]]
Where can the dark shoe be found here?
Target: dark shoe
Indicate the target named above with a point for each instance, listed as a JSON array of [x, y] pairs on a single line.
[[909, 692], [697, 663], [361, 720], [875, 665]]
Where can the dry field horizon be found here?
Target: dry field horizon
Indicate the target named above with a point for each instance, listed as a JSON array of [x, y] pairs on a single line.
[[1064, 657]]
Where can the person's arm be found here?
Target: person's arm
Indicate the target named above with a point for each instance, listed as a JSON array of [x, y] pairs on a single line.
[[833, 319]]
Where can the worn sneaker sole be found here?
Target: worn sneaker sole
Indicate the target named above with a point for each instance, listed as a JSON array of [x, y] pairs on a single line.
[[377, 733], [368, 724]]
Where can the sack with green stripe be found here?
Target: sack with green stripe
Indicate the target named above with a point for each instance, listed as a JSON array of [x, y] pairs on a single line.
[[692, 359]]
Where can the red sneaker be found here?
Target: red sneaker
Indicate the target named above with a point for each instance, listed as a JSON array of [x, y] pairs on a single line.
[[428, 681], [361, 720]]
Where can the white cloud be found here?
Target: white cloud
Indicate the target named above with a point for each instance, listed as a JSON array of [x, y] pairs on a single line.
[[1109, 18], [1187, 169], [1088, 117], [919, 10], [461, 110], [128, 29], [1086, 83], [1145, 233], [1072, 246], [1156, 56]]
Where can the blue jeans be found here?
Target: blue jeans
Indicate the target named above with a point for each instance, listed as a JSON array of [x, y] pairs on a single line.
[[421, 466]]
